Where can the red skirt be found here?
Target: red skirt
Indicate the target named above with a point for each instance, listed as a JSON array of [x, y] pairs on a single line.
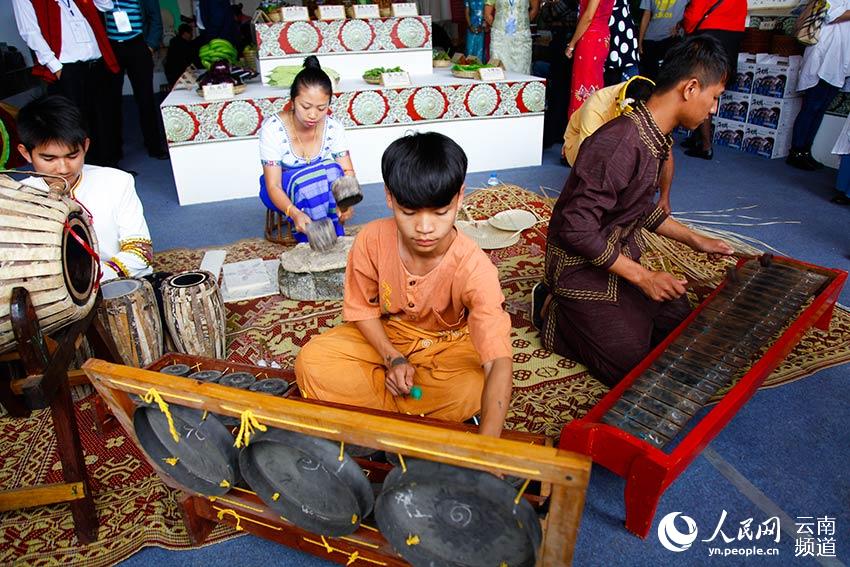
[[588, 67]]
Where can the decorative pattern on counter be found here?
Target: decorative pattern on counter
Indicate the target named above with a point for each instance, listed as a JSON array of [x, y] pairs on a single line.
[[229, 119], [343, 36]]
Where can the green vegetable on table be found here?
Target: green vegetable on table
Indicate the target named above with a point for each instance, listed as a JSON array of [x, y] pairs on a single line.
[[441, 56], [283, 75], [378, 71], [470, 68], [216, 50]]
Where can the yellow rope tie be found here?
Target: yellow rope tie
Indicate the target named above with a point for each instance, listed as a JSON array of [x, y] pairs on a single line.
[[222, 513], [224, 484], [226, 370], [328, 546], [359, 542], [353, 519], [152, 396], [171, 461], [370, 528], [197, 367], [503, 564], [276, 496], [248, 423], [353, 557], [341, 450], [401, 461], [521, 491], [212, 498], [237, 504], [262, 374], [412, 540], [243, 490]]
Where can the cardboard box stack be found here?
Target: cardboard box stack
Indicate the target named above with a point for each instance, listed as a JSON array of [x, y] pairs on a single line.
[[757, 112]]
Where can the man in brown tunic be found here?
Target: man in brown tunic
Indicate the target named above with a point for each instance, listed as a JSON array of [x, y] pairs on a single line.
[[604, 309]]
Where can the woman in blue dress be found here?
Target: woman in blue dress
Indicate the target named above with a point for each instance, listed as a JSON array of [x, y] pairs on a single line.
[[475, 28], [303, 152]]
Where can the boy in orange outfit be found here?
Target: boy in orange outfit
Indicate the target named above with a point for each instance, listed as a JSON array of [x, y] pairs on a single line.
[[422, 304]]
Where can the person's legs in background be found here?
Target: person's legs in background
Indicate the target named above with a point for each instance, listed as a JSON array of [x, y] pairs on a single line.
[[136, 59], [815, 102]]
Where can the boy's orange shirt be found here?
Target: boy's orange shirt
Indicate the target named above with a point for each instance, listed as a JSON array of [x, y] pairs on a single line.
[[462, 290]]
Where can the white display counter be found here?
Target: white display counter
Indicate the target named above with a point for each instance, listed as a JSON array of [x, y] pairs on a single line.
[[214, 149]]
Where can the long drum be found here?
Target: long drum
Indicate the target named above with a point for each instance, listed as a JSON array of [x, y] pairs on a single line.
[[194, 313], [40, 251], [130, 313]]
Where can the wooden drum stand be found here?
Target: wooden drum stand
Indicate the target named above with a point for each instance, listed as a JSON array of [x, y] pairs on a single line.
[[47, 384]]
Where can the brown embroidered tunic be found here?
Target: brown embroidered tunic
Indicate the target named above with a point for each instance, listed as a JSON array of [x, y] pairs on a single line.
[[606, 323]]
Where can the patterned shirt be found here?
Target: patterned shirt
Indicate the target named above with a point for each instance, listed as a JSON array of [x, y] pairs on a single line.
[[276, 147], [134, 14]]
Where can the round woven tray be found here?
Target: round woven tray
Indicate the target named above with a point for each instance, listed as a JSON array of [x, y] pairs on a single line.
[[373, 80], [442, 63], [464, 74], [487, 236]]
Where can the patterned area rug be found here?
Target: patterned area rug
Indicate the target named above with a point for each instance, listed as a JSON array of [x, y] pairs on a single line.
[[137, 510]]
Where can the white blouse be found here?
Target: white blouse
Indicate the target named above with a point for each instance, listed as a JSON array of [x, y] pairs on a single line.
[[842, 145], [829, 58], [276, 148]]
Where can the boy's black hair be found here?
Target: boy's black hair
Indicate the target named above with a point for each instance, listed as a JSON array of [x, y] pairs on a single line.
[[311, 76], [639, 90], [51, 118], [700, 56], [184, 28], [424, 171]]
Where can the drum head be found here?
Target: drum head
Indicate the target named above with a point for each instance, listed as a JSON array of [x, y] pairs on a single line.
[[241, 380], [464, 518], [302, 478], [120, 287], [205, 453]]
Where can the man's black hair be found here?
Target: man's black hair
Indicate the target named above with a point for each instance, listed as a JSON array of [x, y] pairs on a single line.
[[639, 90], [311, 76], [424, 171], [700, 56], [184, 28], [51, 118]]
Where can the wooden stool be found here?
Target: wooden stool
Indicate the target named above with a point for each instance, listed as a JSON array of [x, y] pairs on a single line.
[[278, 229]]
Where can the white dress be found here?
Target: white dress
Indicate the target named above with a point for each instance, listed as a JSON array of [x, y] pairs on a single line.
[[123, 239], [276, 149], [829, 58], [842, 145]]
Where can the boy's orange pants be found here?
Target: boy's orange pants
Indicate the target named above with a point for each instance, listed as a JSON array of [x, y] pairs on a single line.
[[341, 366]]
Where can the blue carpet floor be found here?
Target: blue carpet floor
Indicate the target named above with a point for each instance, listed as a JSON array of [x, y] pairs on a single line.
[[787, 451]]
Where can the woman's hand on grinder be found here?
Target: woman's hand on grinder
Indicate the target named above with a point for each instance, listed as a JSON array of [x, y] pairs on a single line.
[[301, 221]]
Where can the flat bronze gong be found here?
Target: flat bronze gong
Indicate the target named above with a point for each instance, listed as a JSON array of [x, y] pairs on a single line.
[[438, 514], [203, 457], [302, 478]]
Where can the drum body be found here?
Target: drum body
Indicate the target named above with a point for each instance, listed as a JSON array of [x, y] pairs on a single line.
[[130, 313], [194, 313], [39, 251]]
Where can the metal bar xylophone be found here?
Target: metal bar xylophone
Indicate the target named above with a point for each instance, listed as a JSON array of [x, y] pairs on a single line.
[[737, 336]]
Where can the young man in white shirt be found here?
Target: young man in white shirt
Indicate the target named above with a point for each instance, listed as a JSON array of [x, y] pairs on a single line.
[[54, 141]]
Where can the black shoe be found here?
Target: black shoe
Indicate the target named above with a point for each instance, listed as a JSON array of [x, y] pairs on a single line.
[[815, 163], [840, 199], [797, 159], [700, 153], [691, 142], [539, 293]]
